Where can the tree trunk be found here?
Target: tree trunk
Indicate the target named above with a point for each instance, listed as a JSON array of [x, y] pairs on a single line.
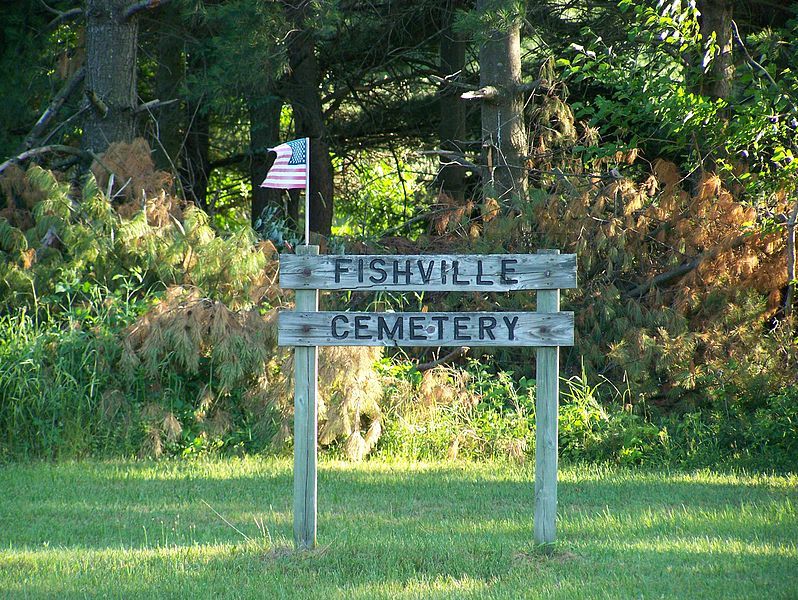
[[110, 85], [303, 91], [791, 223], [452, 115], [195, 163], [264, 132], [716, 18], [504, 138], [169, 78]]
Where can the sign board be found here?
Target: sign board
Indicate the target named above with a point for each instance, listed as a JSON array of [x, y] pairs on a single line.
[[484, 273], [548, 271], [425, 329]]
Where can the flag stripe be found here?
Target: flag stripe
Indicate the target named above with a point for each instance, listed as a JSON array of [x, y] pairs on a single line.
[[290, 168]]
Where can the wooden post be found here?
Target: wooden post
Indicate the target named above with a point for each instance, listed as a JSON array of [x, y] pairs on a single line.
[[306, 385], [546, 409]]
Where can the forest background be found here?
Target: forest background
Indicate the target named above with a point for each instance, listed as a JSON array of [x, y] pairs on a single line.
[[656, 140]]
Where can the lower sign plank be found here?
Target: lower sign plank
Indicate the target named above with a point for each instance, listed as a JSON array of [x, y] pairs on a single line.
[[425, 329]]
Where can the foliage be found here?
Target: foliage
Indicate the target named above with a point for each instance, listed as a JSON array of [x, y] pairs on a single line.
[[674, 201], [455, 413], [652, 99], [121, 230], [142, 332], [58, 394], [762, 437], [478, 412], [377, 193]]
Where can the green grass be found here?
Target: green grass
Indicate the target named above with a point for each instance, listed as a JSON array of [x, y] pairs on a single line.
[[391, 530]]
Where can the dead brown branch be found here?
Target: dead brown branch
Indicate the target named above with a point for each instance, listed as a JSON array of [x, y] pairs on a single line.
[[685, 268], [44, 150], [453, 355]]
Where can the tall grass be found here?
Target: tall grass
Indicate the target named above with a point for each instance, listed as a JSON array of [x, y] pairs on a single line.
[[56, 371]]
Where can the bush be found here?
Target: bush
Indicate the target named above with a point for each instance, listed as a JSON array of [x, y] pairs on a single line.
[[57, 379], [140, 329], [452, 413], [763, 439]]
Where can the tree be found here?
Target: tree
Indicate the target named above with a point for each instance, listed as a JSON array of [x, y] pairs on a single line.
[[716, 30], [110, 86], [264, 132], [303, 90], [452, 128], [504, 138], [170, 77]]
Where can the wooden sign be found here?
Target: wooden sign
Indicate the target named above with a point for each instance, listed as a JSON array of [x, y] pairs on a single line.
[[486, 273], [307, 328], [425, 329]]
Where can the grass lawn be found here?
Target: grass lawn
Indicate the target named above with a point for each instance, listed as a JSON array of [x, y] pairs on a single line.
[[390, 530]]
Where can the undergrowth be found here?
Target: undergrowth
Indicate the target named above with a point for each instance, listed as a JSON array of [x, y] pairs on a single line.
[[130, 326]]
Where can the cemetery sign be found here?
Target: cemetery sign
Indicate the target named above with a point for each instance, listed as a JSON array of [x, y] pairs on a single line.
[[307, 328]]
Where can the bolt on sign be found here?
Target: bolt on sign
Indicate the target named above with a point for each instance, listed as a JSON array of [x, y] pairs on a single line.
[[307, 328]]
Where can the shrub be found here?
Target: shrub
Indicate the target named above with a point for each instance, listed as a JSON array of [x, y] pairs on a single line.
[[138, 325]]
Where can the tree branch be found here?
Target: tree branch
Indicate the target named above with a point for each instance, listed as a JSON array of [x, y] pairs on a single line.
[[454, 157], [52, 110], [677, 272], [453, 355], [415, 219], [749, 58], [62, 17], [44, 150], [490, 92], [138, 7], [154, 105], [486, 93]]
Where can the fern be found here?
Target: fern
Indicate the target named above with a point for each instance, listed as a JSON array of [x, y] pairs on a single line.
[[57, 202], [12, 240]]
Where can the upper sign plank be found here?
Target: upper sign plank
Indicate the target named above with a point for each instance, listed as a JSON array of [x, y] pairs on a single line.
[[471, 272]]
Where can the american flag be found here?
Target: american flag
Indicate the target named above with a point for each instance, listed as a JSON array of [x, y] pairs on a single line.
[[290, 168]]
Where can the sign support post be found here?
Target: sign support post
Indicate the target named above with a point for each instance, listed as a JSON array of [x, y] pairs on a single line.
[[546, 409], [306, 387]]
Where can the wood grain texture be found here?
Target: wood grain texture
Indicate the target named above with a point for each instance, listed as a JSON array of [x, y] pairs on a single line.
[[546, 409], [486, 273], [305, 427], [425, 329]]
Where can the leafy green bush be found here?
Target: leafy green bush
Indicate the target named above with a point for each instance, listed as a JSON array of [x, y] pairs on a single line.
[[58, 383], [765, 438], [475, 413], [478, 412], [82, 278]]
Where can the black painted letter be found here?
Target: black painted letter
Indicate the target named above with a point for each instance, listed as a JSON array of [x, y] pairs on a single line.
[[486, 326], [481, 276], [511, 323], [384, 331], [383, 273], [340, 268], [459, 328], [417, 325], [426, 276], [361, 325], [508, 270], [335, 334]]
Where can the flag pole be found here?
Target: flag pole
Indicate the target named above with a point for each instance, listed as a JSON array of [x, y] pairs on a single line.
[[307, 191]]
